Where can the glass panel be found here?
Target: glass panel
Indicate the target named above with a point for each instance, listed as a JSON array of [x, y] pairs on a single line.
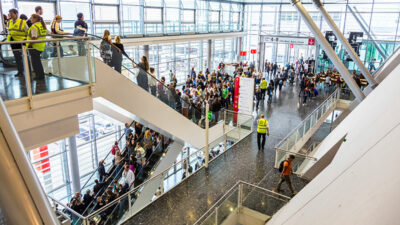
[[228, 206], [13, 83]]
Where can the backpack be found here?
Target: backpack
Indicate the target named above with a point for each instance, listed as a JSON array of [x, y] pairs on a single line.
[[281, 165]]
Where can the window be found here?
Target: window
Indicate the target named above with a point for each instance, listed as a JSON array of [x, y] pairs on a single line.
[[28, 8], [214, 16], [235, 17], [188, 4], [153, 15], [69, 11], [188, 16], [106, 1], [105, 13]]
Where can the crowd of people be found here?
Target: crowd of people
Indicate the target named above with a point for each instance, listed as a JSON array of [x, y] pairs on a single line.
[[129, 168]]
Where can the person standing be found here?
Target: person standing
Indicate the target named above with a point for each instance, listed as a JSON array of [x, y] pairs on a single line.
[[285, 175], [185, 103], [17, 31], [39, 12], [56, 29], [105, 48], [117, 54], [37, 31], [262, 130], [81, 28], [102, 171], [142, 79], [129, 177]]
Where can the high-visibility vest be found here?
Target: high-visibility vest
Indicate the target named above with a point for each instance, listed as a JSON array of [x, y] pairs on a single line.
[[264, 84], [262, 126], [16, 30], [42, 32]]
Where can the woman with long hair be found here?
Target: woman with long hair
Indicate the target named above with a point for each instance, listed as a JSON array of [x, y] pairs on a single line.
[[142, 79], [117, 55], [105, 48]]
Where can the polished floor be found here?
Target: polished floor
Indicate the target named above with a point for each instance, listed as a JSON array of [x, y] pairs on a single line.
[[189, 200], [12, 87]]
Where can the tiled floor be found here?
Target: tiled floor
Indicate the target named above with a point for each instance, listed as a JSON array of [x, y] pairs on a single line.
[[15, 87], [189, 200]]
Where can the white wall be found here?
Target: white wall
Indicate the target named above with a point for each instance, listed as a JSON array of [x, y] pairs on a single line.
[[361, 185]]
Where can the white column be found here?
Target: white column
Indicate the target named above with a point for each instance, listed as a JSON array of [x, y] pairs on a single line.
[[74, 165]]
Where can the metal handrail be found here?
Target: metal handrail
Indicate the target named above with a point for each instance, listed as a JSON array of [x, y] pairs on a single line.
[[312, 113], [45, 40], [232, 190], [66, 207], [296, 153], [147, 181]]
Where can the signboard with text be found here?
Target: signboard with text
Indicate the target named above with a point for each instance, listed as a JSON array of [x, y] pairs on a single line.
[[253, 51], [289, 40], [243, 53], [246, 95]]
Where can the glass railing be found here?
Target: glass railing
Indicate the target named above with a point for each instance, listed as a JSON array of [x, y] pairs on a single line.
[[307, 125], [124, 207], [61, 65], [243, 197], [191, 108]]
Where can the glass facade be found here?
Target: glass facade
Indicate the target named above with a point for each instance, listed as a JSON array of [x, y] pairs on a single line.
[[180, 57], [380, 18], [139, 17], [51, 162]]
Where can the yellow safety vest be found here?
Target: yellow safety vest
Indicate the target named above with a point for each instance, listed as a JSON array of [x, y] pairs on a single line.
[[262, 126], [264, 84], [16, 30], [42, 32]]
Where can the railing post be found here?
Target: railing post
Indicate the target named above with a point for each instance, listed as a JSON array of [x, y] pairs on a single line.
[[216, 215], [58, 46], [238, 127], [89, 67], [207, 126], [28, 75], [224, 121], [240, 194], [130, 204]]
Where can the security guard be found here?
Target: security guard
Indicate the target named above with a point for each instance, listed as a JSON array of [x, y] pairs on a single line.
[[263, 87], [262, 129], [17, 31], [37, 31]]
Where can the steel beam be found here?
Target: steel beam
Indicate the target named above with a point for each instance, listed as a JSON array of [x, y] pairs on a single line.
[[328, 50]]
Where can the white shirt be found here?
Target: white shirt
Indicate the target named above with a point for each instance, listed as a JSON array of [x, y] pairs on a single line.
[[129, 177]]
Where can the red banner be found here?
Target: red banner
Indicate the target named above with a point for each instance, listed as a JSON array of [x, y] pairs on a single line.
[[291, 46], [253, 51], [243, 53], [44, 165], [311, 41], [236, 99]]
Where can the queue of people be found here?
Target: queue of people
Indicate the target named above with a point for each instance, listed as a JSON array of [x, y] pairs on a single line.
[[129, 169]]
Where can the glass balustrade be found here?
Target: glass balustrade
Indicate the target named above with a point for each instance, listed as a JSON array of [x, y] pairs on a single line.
[[191, 108], [64, 61], [125, 206], [243, 196]]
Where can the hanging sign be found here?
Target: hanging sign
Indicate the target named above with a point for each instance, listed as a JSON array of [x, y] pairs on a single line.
[[291, 46], [311, 41], [253, 51], [243, 53]]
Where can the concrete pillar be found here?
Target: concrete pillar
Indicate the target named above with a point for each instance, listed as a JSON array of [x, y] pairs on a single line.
[[22, 199], [74, 165], [240, 42], [329, 51], [209, 55], [261, 48], [147, 51], [345, 44]]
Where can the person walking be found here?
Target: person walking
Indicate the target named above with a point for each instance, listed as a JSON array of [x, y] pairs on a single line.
[[17, 31], [37, 31], [105, 48], [263, 87], [286, 170], [262, 130]]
